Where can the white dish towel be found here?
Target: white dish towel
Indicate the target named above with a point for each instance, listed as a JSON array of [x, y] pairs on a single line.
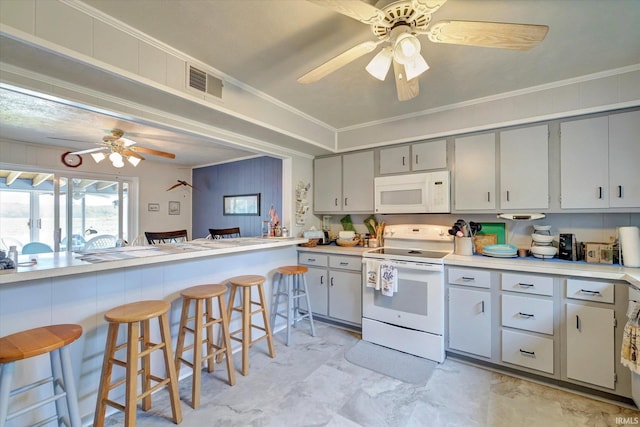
[[388, 279], [631, 341], [373, 274]]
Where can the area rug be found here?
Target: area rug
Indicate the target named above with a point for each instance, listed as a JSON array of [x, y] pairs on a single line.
[[392, 363]]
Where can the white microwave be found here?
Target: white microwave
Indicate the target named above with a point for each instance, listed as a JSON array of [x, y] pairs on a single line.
[[413, 193]]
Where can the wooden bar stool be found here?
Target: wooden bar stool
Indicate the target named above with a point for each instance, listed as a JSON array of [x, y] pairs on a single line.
[[204, 295], [292, 285], [53, 339], [135, 315], [245, 283]]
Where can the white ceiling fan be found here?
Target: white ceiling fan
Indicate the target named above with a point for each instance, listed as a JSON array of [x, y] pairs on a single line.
[[120, 149], [398, 23]]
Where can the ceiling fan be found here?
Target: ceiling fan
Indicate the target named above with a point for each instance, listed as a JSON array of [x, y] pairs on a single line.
[[398, 23], [121, 149]]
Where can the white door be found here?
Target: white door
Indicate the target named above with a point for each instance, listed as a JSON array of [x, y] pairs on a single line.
[[584, 155], [357, 182], [624, 160], [590, 345], [327, 180], [317, 279], [394, 160], [429, 155], [345, 296], [524, 168], [475, 172], [470, 321]]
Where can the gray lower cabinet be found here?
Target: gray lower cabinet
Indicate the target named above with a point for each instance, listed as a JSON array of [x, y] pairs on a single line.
[[334, 283]]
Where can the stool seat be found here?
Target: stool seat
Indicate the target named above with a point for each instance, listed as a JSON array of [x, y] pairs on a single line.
[[204, 291], [137, 311], [37, 341], [248, 280], [292, 269], [52, 340]]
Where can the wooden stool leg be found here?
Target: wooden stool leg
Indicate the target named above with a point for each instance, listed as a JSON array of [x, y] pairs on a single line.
[[133, 332], [70, 387], [196, 379], [265, 318], [232, 297], [105, 377], [226, 340], [184, 316], [209, 342], [174, 397], [246, 328], [146, 363], [6, 377]]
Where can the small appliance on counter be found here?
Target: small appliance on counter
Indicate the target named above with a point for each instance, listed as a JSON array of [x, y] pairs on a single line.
[[567, 247]]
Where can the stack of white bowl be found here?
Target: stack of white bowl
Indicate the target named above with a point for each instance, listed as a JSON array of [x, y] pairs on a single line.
[[542, 242]]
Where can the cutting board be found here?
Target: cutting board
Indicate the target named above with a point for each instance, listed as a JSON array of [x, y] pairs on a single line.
[[497, 228], [481, 240]]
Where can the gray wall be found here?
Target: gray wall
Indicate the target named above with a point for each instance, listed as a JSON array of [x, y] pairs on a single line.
[[260, 175]]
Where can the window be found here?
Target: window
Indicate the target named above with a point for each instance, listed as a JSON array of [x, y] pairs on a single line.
[[62, 210]]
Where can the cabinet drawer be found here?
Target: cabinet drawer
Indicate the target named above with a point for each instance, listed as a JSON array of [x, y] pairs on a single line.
[[468, 277], [526, 283], [346, 262], [528, 350], [590, 290], [308, 258], [530, 314]]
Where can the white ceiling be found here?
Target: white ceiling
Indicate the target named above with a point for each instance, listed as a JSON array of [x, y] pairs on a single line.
[[268, 44]]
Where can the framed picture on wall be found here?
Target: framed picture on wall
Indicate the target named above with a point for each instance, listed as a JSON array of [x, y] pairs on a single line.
[[242, 204], [153, 207], [174, 208]]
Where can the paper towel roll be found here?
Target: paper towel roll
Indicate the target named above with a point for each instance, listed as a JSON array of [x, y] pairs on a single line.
[[630, 243]]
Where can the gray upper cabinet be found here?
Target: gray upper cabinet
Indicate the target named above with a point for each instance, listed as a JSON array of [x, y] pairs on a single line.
[[524, 168], [416, 157], [475, 172], [343, 183], [624, 160]]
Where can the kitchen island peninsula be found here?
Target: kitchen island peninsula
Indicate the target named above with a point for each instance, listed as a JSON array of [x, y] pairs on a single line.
[[80, 287]]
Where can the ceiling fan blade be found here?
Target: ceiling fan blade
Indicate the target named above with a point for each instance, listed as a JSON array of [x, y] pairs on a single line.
[[427, 6], [67, 139], [406, 89], [153, 152], [338, 62], [355, 9], [90, 150], [132, 154], [488, 34]]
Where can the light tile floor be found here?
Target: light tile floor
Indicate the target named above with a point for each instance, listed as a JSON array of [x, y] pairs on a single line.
[[311, 384]]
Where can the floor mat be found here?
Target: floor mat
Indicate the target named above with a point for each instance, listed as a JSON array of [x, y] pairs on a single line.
[[392, 363]]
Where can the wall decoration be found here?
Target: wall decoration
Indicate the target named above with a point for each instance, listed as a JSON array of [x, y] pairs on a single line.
[[302, 206], [242, 204], [174, 208], [155, 207]]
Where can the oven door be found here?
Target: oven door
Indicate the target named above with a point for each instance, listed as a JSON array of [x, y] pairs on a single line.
[[419, 302]]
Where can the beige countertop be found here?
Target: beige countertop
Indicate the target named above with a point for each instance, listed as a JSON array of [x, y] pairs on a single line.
[[69, 263]]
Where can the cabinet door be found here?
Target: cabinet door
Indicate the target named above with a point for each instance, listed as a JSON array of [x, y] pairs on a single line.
[[590, 345], [584, 163], [470, 321], [429, 155], [318, 290], [345, 296], [357, 182], [524, 168], [624, 153], [327, 180], [394, 160], [475, 172]]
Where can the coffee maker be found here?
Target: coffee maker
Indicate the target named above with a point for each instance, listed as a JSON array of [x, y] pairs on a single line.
[[567, 247]]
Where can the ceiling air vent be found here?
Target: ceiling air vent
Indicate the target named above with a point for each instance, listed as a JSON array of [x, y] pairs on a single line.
[[203, 82]]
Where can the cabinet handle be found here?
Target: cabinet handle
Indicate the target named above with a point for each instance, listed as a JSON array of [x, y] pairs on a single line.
[[528, 353], [526, 285], [416, 159], [620, 191], [528, 316], [345, 201], [488, 196], [332, 281], [482, 307], [577, 322], [467, 278], [311, 260], [336, 201], [587, 291], [507, 195], [599, 192], [344, 263], [322, 280], [402, 160]]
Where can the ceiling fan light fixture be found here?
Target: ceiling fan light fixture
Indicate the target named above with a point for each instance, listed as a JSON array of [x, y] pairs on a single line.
[[406, 48], [98, 157], [133, 160], [414, 68], [380, 64]]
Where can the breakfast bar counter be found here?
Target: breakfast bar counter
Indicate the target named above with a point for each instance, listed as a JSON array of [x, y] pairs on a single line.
[[79, 288]]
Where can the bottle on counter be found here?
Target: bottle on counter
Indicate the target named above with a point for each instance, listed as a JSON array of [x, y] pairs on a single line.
[[13, 255]]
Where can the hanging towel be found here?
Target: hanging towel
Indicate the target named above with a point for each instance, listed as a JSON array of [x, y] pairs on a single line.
[[630, 354], [373, 274], [388, 279]]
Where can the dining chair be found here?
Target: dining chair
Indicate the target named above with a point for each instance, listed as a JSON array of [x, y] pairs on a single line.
[[160, 237], [36, 248], [101, 241], [224, 233], [77, 242]]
